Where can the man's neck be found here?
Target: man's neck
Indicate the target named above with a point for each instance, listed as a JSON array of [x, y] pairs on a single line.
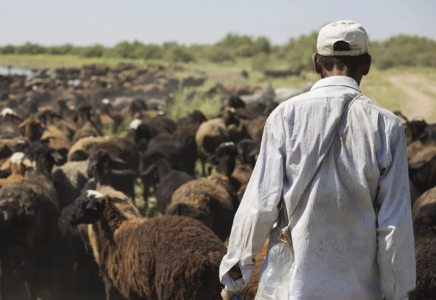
[[343, 72]]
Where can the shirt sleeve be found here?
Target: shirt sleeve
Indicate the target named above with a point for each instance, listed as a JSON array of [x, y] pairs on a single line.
[[258, 210], [396, 252]]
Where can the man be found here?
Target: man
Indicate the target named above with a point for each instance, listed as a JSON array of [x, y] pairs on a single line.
[[352, 236]]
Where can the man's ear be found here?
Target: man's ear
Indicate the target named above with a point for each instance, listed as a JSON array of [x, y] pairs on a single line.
[[316, 64], [366, 66]]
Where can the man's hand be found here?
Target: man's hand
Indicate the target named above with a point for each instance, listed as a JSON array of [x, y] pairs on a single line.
[[235, 272]]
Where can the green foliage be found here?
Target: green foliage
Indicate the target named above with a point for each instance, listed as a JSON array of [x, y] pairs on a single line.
[[404, 51], [299, 51], [398, 51], [262, 45], [261, 62], [8, 49], [178, 54], [244, 51], [96, 50], [60, 50], [29, 48], [219, 55]]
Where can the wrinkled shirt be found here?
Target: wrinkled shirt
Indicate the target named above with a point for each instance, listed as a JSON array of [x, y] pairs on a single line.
[[352, 234]]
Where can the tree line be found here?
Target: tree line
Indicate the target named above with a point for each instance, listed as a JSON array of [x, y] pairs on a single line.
[[401, 50]]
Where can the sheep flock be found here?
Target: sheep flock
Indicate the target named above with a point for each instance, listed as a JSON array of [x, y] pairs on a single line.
[[104, 196]]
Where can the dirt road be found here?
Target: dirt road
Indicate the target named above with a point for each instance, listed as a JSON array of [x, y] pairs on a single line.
[[419, 103]]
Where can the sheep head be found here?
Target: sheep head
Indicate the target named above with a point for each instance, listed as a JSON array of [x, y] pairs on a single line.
[[89, 208]]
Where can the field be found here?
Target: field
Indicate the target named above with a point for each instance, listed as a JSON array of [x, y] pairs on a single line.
[[411, 90]]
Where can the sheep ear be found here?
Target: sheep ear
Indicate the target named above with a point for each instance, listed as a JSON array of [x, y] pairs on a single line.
[[126, 172], [417, 165], [148, 170], [253, 151], [6, 165], [92, 204], [27, 163], [23, 124], [118, 163], [57, 157]]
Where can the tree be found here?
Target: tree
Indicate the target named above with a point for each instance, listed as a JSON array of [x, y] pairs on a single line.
[[262, 45]]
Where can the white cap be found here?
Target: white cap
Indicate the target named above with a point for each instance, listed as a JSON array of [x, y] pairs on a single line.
[[105, 101], [343, 31]]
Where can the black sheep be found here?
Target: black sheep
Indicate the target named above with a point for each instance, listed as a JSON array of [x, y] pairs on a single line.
[[169, 181]]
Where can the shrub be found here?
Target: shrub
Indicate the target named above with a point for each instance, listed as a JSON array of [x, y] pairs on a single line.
[[178, 54], [219, 55], [8, 49], [92, 51], [262, 45], [261, 62]]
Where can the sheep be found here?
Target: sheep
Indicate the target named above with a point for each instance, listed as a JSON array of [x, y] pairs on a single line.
[[169, 181], [18, 165], [166, 257], [255, 129], [28, 232], [87, 126], [81, 274], [32, 129], [247, 150], [427, 198], [58, 140], [115, 117], [422, 169], [69, 180], [185, 137], [119, 148], [414, 148], [424, 222], [209, 136], [211, 200], [101, 169]]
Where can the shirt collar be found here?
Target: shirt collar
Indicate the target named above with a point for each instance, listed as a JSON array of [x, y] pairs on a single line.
[[336, 81]]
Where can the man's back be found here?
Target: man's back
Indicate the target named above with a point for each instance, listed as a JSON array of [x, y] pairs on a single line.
[[334, 235], [352, 235]]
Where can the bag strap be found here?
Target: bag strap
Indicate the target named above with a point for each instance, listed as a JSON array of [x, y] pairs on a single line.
[[338, 126]]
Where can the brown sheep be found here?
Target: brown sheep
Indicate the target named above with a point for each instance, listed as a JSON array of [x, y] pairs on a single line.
[[18, 165], [424, 222], [57, 139], [211, 200], [427, 198], [250, 294], [69, 180], [28, 230], [247, 150], [209, 136], [255, 129], [162, 258], [422, 169], [32, 129], [414, 148]]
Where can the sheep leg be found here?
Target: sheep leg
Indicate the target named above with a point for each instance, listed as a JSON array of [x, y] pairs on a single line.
[[1, 287], [203, 166], [107, 286]]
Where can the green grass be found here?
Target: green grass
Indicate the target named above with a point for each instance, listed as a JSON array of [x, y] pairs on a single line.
[[379, 88]]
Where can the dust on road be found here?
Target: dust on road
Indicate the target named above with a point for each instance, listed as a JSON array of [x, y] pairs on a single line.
[[419, 103]]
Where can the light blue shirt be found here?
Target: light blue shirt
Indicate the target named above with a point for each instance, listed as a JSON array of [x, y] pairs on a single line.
[[352, 236]]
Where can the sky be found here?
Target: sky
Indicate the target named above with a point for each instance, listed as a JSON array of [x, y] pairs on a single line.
[[86, 22]]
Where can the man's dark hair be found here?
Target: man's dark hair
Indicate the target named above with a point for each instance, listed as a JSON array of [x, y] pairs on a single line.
[[351, 62]]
